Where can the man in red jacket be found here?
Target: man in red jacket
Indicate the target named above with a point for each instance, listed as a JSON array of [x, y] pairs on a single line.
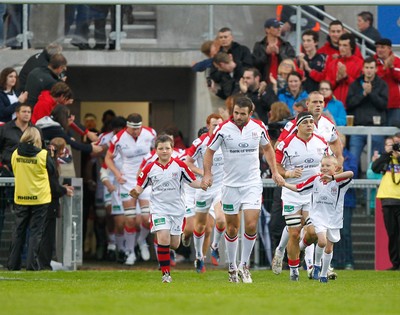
[[342, 71], [389, 70], [60, 93], [331, 47]]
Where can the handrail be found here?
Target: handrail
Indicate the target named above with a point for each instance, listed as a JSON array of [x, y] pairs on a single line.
[[364, 38]]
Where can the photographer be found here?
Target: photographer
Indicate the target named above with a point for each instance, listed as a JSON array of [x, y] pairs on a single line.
[[389, 192]]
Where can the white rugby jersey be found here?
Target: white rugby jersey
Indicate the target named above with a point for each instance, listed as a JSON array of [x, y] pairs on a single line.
[[166, 182], [132, 151], [324, 128], [105, 139], [294, 152], [240, 149], [197, 151], [327, 200]]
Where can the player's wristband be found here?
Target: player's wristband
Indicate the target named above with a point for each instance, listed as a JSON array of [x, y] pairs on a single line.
[[333, 177]]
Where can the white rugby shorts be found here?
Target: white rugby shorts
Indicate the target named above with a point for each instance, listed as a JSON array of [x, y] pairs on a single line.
[[241, 198], [174, 224], [206, 199]]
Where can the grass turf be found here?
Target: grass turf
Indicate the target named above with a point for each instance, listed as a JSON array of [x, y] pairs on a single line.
[[141, 292]]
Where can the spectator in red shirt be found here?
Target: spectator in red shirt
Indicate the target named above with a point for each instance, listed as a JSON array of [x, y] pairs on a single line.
[[389, 70], [331, 47], [341, 71], [60, 93]]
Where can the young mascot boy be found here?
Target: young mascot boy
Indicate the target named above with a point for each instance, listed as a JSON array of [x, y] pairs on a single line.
[[326, 213]]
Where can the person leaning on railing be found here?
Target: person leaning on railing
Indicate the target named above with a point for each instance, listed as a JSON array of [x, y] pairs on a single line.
[[389, 193]]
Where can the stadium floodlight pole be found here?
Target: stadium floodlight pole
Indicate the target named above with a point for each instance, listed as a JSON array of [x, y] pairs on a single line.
[[214, 2]]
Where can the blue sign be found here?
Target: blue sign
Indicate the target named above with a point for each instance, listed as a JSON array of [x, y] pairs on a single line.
[[389, 22]]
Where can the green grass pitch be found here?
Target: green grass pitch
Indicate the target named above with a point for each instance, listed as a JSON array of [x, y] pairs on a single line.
[[141, 292]]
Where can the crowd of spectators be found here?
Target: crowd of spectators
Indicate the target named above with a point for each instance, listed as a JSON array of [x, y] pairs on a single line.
[[366, 88]]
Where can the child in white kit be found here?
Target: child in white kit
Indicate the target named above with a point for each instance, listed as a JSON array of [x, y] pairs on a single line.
[[326, 212], [167, 207]]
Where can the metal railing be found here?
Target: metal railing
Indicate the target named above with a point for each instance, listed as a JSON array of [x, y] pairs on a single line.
[[368, 131], [27, 35], [300, 11]]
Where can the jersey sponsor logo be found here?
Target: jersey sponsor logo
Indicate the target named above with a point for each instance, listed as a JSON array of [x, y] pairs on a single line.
[[324, 198], [124, 195], [228, 137], [116, 208], [243, 145], [309, 160], [160, 221], [27, 197], [243, 150], [201, 204], [288, 208], [227, 207]]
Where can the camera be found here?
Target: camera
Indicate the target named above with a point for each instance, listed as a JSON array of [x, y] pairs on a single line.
[[396, 147]]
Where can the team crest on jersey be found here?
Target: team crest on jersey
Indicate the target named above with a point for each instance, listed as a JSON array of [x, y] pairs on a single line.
[[334, 190], [320, 151], [288, 126], [174, 175], [254, 135], [228, 137]]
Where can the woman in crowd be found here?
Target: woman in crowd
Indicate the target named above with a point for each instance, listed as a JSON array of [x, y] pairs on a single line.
[[294, 91], [334, 108], [10, 97]]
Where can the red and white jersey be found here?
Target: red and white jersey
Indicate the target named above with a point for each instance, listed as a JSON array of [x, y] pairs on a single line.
[[166, 182], [240, 149], [152, 156], [327, 200], [132, 151], [105, 138], [324, 128], [197, 151], [294, 152]]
